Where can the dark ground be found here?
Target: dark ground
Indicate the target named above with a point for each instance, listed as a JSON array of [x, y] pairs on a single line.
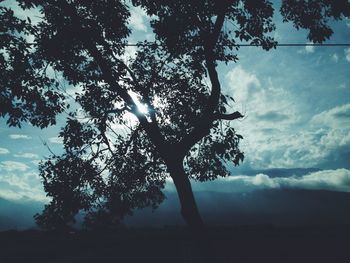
[[227, 244]]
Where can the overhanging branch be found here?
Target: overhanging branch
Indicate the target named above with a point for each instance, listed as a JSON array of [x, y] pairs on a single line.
[[230, 117]]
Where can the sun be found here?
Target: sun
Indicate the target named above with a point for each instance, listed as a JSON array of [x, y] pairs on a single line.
[[142, 108]]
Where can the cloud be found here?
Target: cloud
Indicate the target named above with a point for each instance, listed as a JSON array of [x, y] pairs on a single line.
[[26, 186], [4, 151], [325, 142], [271, 111], [137, 19], [13, 166], [9, 194], [272, 116], [129, 54], [307, 49], [19, 136], [335, 57], [337, 117], [321, 140], [332, 180], [241, 83], [262, 99], [347, 54], [310, 148], [27, 155], [56, 140], [33, 13], [341, 86], [36, 162], [263, 179]]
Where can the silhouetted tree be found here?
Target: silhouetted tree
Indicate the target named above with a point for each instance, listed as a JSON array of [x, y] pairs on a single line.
[[178, 124]]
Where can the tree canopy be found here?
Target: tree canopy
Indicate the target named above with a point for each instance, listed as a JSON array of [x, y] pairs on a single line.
[[157, 114]]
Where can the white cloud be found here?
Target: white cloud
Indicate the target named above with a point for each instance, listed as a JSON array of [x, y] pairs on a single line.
[[308, 49], [36, 162], [270, 114], [332, 180], [27, 155], [129, 54], [18, 182], [33, 13], [56, 140], [24, 187], [337, 117], [316, 141], [138, 19], [327, 140], [347, 20], [71, 90], [241, 84], [4, 151], [309, 148], [10, 195], [341, 86], [13, 166], [263, 179], [335, 57], [262, 100], [347, 54], [19, 136]]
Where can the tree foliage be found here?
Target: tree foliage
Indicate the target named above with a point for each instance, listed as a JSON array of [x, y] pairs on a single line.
[[26, 92], [117, 156]]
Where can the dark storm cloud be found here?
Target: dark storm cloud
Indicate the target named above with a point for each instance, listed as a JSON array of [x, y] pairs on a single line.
[[272, 116], [343, 114]]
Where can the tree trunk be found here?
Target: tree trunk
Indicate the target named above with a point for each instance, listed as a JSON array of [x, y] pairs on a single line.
[[201, 247], [189, 209]]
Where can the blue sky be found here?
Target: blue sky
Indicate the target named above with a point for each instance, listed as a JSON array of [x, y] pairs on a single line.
[[296, 102]]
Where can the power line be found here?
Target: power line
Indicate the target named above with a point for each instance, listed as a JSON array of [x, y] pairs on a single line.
[[278, 45], [306, 45]]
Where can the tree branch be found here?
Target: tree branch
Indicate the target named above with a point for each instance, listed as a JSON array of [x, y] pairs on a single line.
[[214, 35], [112, 80], [132, 137], [209, 46], [115, 111], [232, 116], [202, 127]]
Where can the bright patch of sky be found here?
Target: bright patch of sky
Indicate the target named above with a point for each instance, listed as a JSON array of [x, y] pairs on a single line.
[[19, 137], [297, 114]]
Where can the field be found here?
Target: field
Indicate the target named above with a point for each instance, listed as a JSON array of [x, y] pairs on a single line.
[[261, 243]]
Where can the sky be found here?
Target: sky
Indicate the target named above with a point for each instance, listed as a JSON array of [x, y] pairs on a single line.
[[296, 129]]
